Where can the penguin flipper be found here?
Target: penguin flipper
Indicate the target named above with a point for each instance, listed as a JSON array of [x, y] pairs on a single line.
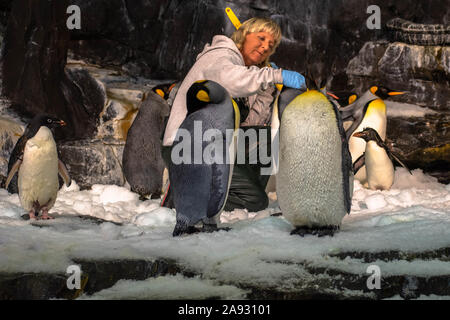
[[62, 170], [286, 97], [352, 128], [12, 172], [396, 158], [359, 163]]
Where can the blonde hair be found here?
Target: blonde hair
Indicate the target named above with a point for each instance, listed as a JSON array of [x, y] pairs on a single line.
[[258, 25]]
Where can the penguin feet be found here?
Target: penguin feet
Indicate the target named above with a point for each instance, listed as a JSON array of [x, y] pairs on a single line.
[[277, 214], [208, 228], [315, 231], [31, 215], [213, 227]]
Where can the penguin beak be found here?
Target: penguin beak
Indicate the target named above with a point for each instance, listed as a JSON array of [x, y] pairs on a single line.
[[359, 135], [332, 95], [396, 93], [62, 123]]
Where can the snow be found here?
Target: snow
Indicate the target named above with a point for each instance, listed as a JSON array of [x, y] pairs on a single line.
[[414, 216], [176, 287]]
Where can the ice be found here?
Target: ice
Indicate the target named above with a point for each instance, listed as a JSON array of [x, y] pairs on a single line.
[[414, 216]]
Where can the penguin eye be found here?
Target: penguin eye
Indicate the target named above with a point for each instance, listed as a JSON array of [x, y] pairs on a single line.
[[49, 120]]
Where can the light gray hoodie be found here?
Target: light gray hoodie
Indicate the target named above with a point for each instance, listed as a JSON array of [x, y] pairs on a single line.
[[222, 62]]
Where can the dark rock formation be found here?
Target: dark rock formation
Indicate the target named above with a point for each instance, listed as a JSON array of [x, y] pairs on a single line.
[[162, 38], [34, 78], [419, 34], [93, 162], [424, 72]]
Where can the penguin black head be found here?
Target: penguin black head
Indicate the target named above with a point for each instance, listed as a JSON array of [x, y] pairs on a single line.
[[163, 90], [369, 134], [42, 120], [203, 92], [383, 92]]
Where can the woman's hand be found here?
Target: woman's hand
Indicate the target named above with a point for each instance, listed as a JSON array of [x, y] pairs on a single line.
[[293, 79]]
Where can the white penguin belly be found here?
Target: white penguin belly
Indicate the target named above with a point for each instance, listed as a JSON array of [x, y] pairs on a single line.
[[357, 146], [380, 170], [309, 181], [38, 174]]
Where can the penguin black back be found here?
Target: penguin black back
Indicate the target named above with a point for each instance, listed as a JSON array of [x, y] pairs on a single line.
[[286, 96], [346, 159]]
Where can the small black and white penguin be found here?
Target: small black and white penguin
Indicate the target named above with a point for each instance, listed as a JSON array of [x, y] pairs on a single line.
[[35, 160], [315, 177], [367, 111], [378, 160], [199, 184]]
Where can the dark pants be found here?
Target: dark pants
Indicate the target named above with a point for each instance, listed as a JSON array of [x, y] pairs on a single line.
[[247, 188]]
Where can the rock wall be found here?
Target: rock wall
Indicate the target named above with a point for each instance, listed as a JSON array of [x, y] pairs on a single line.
[[34, 75], [424, 72], [136, 40], [160, 39]]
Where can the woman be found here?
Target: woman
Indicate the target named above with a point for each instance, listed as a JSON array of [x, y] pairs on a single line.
[[240, 65]]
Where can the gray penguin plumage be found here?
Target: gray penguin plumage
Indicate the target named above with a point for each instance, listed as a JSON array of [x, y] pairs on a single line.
[[142, 161], [200, 186], [34, 166], [315, 178]]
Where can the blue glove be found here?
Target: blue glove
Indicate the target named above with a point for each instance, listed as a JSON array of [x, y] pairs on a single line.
[[293, 79]]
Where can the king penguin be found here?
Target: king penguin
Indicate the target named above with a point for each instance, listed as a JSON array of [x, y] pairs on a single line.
[[367, 111], [35, 159], [377, 159], [315, 177], [202, 157]]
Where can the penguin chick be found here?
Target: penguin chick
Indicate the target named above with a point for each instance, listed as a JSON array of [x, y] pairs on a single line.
[[35, 159], [378, 160]]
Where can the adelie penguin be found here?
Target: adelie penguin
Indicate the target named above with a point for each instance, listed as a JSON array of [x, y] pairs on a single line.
[[367, 111], [315, 177], [378, 160], [35, 159], [198, 181]]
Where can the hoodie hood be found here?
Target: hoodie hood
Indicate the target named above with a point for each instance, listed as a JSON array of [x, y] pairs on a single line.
[[221, 42]]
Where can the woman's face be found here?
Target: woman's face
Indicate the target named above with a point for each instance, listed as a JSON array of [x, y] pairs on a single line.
[[257, 47]]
